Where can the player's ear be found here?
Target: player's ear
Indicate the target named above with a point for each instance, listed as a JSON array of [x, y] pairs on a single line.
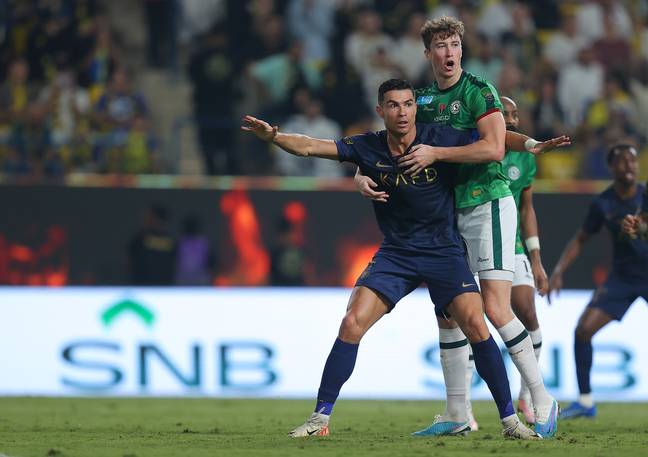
[[380, 111]]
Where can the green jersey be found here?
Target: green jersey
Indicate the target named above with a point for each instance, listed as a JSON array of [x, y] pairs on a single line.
[[520, 168], [461, 106]]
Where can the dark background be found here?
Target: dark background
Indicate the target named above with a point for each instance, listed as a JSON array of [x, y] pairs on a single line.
[[100, 222]]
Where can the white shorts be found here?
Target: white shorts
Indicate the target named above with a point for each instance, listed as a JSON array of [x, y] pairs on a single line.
[[523, 273], [489, 231]]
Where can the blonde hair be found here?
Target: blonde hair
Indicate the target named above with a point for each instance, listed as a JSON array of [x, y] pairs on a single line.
[[441, 28]]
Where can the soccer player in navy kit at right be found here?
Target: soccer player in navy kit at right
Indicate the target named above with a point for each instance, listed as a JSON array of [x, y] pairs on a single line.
[[628, 279], [421, 244]]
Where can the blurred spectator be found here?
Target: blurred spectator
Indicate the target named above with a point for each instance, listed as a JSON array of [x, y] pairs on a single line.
[[366, 41], [68, 105], [496, 19], [289, 263], [563, 46], [195, 257], [99, 63], [590, 19], [408, 52], [639, 91], [485, 62], [579, 83], [281, 74], [121, 104], [612, 50], [212, 70], [152, 252], [613, 108], [448, 8], [199, 16], [311, 21], [312, 122], [118, 111], [161, 26], [547, 113]]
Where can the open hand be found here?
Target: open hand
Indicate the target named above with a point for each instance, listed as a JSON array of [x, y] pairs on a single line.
[[419, 157], [260, 128], [366, 186], [546, 146]]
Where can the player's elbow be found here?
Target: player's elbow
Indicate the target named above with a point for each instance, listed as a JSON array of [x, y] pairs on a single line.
[[497, 152]]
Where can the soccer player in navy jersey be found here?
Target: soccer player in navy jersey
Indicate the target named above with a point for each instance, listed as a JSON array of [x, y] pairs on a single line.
[[628, 279], [421, 244]]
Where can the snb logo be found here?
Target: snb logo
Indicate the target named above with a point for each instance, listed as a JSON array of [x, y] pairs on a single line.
[[151, 358]]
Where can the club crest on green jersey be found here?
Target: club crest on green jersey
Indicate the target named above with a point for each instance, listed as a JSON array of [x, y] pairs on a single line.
[[514, 173], [455, 107]]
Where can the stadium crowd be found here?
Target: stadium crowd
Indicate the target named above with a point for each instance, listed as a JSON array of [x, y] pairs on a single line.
[[67, 100]]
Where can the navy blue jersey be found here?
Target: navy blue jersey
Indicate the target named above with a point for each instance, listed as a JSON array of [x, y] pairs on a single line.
[[419, 214], [629, 257]]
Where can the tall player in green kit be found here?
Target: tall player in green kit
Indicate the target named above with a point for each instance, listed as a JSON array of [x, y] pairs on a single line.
[[486, 216], [520, 169]]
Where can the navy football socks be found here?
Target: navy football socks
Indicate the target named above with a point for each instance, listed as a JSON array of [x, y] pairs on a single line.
[[490, 366], [337, 370], [583, 356]]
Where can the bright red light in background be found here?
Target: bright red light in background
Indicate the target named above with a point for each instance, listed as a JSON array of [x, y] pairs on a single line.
[[354, 258], [45, 264], [251, 265]]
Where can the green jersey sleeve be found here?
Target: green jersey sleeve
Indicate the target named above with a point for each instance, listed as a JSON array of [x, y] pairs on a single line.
[[482, 99]]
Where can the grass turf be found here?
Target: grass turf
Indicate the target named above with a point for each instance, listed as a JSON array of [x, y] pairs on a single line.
[[66, 427]]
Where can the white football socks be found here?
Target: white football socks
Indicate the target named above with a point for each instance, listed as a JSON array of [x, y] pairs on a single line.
[[536, 339], [454, 358], [520, 349]]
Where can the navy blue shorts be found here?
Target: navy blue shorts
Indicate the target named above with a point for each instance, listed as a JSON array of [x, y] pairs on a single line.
[[394, 275], [616, 295]]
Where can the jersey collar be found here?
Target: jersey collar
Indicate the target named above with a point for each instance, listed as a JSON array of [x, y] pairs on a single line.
[[448, 89]]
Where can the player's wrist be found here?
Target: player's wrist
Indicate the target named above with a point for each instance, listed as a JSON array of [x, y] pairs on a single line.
[[273, 135], [532, 243], [530, 143]]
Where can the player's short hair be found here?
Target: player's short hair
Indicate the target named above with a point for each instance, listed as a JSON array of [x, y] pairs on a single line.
[[441, 28], [616, 150], [393, 84]]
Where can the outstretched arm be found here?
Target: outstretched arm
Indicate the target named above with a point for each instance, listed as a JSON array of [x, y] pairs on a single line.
[[529, 224], [293, 143], [569, 254], [520, 142]]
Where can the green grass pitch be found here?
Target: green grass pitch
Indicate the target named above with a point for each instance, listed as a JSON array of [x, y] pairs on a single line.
[[66, 427]]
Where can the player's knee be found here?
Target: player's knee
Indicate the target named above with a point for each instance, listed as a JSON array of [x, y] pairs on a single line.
[[350, 329], [475, 328], [497, 314], [583, 334]]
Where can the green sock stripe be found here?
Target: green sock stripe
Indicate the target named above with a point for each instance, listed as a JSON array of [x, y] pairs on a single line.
[[537, 346], [453, 345], [517, 339], [497, 234]]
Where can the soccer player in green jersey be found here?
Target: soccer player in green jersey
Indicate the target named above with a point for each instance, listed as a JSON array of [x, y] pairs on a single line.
[[486, 217], [520, 169]]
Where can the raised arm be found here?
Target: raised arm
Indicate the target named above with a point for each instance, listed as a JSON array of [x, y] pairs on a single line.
[[529, 224], [569, 254], [296, 144]]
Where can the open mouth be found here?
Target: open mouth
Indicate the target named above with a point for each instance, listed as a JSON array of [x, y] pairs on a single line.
[[402, 123], [449, 65]]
